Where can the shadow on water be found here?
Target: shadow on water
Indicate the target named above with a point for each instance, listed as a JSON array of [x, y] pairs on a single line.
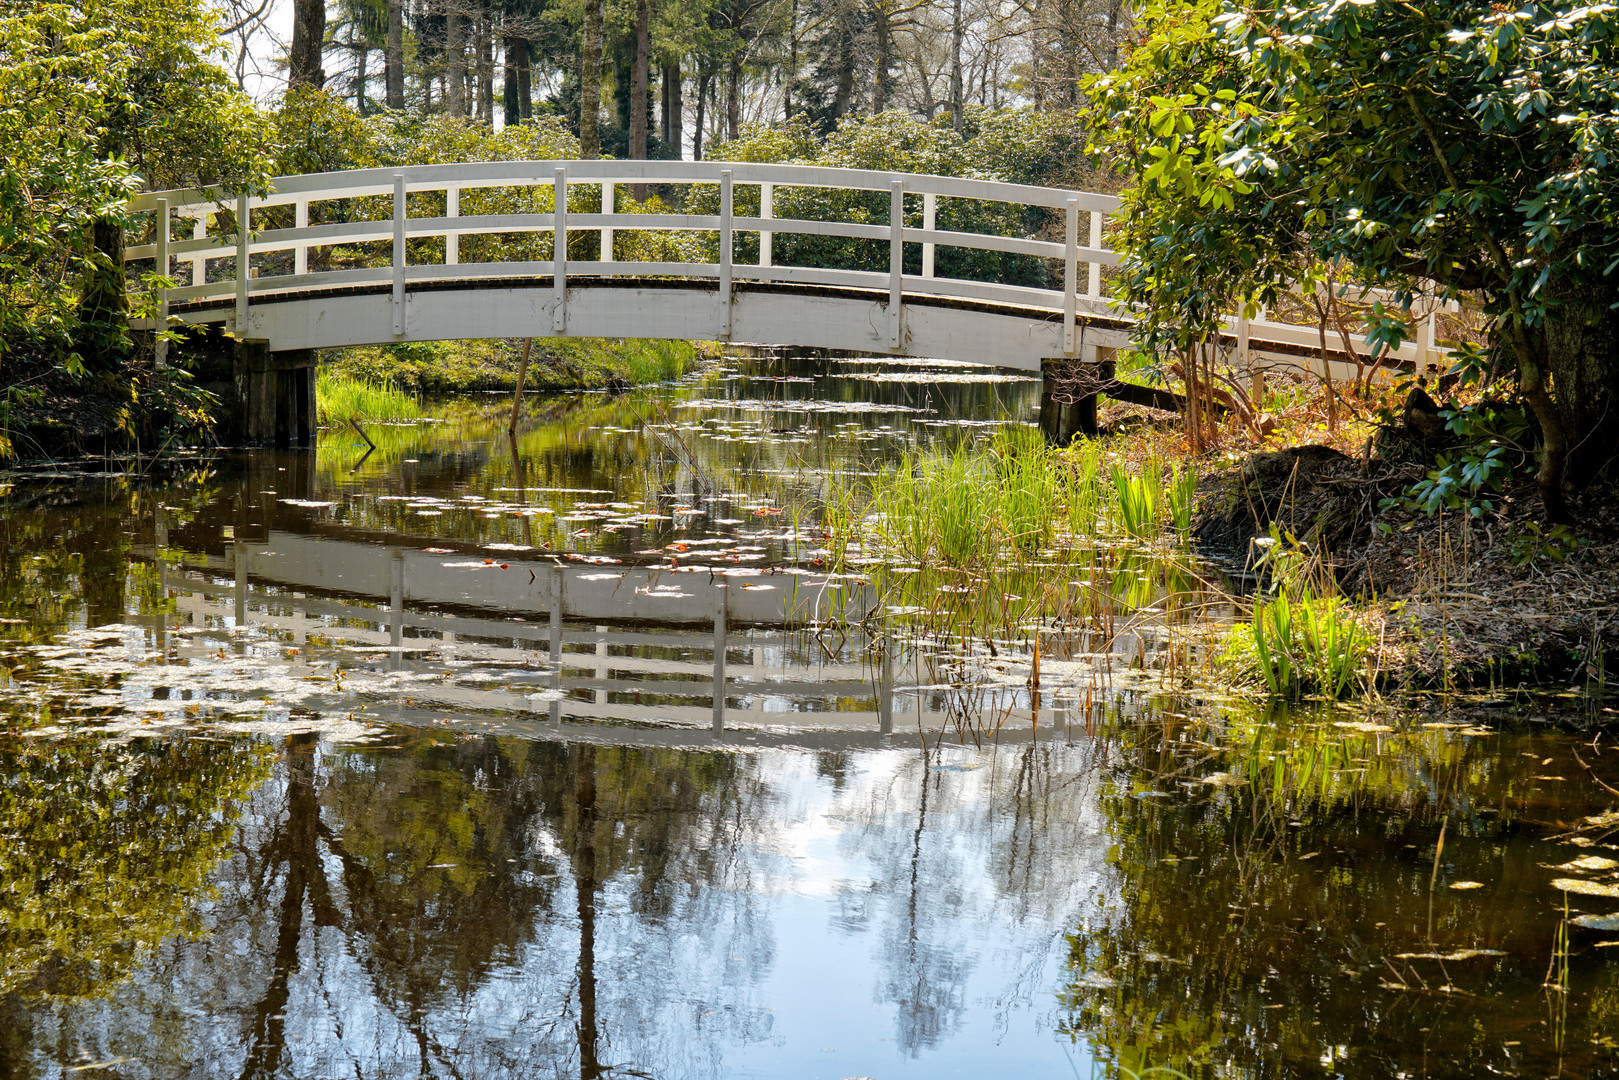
[[537, 757]]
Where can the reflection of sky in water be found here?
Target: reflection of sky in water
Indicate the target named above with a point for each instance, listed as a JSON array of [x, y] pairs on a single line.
[[813, 930]]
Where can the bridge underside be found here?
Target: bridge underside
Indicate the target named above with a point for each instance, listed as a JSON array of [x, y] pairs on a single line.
[[852, 320]]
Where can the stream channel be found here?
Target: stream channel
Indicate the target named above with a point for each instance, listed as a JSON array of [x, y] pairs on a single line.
[[410, 762]]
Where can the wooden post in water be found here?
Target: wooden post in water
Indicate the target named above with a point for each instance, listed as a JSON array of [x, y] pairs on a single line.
[[719, 658], [556, 644], [517, 396], [1068, 391]]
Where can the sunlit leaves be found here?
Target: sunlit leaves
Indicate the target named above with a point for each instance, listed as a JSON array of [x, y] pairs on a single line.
[[1229, 115]]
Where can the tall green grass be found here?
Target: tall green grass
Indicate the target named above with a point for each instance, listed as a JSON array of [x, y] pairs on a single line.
[[967, 506], [341, 398], [1005, 534], [1009, 497], [1305, 640], [641, 362]]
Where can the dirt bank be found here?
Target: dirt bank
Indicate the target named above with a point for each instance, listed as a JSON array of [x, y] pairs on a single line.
[[1500, 599]]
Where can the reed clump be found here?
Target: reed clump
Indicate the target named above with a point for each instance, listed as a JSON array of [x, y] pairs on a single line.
[[1304, 639], [341, 398], [1007, 538], [1006, 501]]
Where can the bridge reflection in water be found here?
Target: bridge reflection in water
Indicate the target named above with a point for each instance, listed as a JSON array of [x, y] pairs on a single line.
[[586, 646]]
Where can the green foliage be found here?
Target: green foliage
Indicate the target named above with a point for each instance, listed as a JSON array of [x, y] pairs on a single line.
[[1304, 640], [434, 367], [98, 99], [1531, 543], [1495, 446], [1148, 505], [104, 853], [313, 132], [1472, 144]]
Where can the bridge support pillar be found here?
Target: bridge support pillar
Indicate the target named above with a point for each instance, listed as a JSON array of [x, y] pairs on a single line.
[[1068, 390], [275, 394]]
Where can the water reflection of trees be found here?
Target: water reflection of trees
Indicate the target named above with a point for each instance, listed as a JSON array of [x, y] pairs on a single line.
[[106, 851], [1283, 907], [1002, 838]]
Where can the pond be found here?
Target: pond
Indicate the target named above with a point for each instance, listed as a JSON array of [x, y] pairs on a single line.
[[577, 754]]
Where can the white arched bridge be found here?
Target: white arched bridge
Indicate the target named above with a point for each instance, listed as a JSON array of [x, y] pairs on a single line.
[[504, 250]]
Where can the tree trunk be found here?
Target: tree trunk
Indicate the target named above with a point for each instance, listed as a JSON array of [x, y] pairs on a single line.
[[486, 65], [733, 97], [673, 128], [525, 84], [308, 37], [792, 63], [843, 94], [640, 102], [586, 885], [883, 79], [958, 34], [455, 55], [103, 305], [394, 75], [704, 78], [361, 54], [590, 83], [508, 83], [1582, 357], [1115, 11], [1037, 55]]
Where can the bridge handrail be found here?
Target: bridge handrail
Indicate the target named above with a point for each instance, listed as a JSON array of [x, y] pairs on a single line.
[[358, 183], [452, 179], [300, 191]]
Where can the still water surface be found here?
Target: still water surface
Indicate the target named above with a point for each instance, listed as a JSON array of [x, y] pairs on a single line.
[[411, 762]]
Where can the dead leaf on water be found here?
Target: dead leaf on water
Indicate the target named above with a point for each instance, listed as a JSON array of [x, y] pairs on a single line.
[[1597, 922], [1592, 864], [1587, 888], [1458, 954], [1464, 885]]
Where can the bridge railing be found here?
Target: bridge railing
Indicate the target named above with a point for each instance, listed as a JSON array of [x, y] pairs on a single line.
[[1082, 217], [214, 261]]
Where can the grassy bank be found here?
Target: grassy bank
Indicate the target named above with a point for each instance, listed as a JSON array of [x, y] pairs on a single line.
[[436, 367]]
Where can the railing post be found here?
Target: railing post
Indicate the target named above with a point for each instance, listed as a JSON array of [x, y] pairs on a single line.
[[727, 206], [452, 240], [1095, 284], [1070, 276], [1245, 358], [559, 253], [896, 262], [767, 210], [243, 272], [399, 255], [160, 302], [607, 233], [1425, 342], [930, 204], [300, 220]]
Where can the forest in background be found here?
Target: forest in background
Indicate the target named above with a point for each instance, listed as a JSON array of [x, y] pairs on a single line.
[[668, 78]]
